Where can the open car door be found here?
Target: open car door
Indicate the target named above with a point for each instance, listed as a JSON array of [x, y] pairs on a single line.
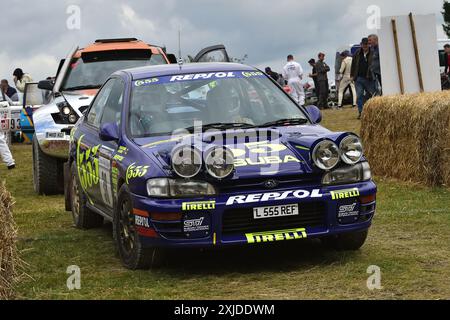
[[216, 53], [62, 70]]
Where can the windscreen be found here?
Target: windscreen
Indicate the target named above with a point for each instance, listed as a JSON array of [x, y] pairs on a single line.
[[162, 105], [93, 74]]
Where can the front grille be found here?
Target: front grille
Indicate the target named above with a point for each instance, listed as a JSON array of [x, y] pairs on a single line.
[[311, 214], [228, 186]]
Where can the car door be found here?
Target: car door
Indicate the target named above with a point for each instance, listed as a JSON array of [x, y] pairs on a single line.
[[62, 70], [94, 156], [217, 53]]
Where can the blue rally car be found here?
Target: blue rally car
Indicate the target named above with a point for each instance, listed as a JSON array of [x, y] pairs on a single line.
[[213, 154]]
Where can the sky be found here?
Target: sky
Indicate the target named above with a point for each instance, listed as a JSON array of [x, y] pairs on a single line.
[[37, 34]]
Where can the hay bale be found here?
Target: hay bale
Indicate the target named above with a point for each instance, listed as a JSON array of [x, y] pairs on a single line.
[[408, 137], [10, 263]]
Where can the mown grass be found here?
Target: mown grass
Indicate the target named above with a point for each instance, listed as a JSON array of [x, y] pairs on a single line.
[[409, 241]]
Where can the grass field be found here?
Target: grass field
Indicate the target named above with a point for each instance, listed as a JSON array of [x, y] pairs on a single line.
[[409, 241]]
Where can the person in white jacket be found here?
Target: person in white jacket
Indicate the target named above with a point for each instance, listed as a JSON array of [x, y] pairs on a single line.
[[21, 79], [346, 78], [293, 74]]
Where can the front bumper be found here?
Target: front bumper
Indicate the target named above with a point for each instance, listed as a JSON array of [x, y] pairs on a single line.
[[211, 222], [54, 139]]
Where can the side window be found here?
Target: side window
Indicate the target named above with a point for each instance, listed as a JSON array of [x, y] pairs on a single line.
[[113, 108], [99, 104]]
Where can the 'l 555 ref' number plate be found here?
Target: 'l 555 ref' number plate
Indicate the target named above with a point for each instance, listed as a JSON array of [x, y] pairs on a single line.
[[276, 211]]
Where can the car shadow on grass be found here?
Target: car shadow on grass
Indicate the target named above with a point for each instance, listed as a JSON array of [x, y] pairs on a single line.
[[279, 257], [285, 256]]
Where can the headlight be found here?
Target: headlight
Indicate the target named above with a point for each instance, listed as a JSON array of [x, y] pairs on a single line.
[[66, 110], [351, 149], [73, 118], [219, 162], [171, 188], [357, 173], [66, 115], [326, 155], [186, 161]]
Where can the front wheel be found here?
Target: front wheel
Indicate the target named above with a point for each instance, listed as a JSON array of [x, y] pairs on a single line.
[[351, 241], [47, 172], [131, 251]]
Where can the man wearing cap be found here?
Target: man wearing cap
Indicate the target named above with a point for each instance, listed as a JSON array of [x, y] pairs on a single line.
[[362, 74], [293, 74]]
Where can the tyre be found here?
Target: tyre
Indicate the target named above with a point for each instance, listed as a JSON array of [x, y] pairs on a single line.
[[347, 241], [83, 218], [133, 255], [47, 172]]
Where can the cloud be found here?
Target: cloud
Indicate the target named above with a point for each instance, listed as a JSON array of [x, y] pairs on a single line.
[[37, 37]]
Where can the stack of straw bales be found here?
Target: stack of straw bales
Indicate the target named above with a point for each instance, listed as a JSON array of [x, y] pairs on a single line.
[[10, 262], [408, 137]]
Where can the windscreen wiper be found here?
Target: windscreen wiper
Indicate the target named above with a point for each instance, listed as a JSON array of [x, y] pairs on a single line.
[[221, 126], [84, 87], [284, 122]]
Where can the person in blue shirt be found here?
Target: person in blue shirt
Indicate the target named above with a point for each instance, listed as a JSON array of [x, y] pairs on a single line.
[[8, 91]]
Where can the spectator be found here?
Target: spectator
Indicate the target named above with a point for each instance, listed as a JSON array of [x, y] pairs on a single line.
[[376, 66], [293, 73], [447, 59], [8, 91], [322, 79], [362, 74], [272, 74], [313, 75], [345, 74], [21, 79]]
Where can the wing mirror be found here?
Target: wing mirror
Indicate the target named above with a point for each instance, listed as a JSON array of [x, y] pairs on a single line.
[[314, 113], [109, 132], [46, 85]]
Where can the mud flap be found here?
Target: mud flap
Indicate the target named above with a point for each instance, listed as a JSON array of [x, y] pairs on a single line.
[[67, 199]]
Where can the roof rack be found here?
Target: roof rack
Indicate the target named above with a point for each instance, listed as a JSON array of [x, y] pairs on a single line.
[[115, 40]]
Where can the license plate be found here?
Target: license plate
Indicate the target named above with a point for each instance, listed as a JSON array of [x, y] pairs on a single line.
[[276, 211]]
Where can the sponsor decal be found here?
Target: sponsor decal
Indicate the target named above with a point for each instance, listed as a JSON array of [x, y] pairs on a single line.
[[273, 196], [134, 171], [195, 225], [344, 194], [203, 76], [272, 236], [198, 206], [265, 161], [114, 177], [141, 221], [260, 154], [119, 157], [252, 74], [87, 165], [348, 210], [198, 76], [146, 82], [122, 150]]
